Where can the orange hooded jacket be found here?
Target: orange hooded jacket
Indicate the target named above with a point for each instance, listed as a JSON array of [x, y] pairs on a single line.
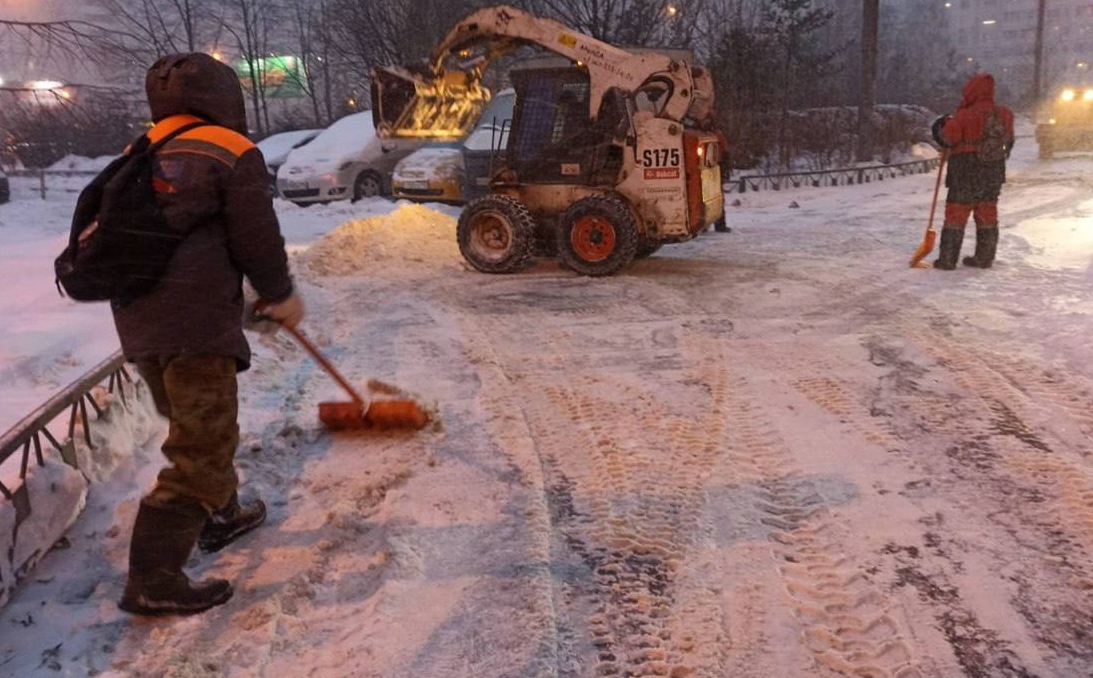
[[964, 130]]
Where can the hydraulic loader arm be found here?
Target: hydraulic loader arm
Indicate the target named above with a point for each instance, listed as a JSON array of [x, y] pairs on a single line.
[[449, 85]]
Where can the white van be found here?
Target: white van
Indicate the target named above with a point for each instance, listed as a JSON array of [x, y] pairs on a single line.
[[346, 160]]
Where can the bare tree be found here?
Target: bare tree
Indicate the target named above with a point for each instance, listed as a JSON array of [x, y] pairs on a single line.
[[249, 24], [792, 25], [148, 29], [76, 40], [870, 49], [645, 23], [314, 49]]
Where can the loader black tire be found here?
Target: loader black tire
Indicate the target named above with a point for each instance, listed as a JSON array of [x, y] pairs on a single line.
[[598, 236], [647, 248], [496, 234]]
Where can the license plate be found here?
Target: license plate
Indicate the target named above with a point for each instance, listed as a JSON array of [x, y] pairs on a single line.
[[416, 185]]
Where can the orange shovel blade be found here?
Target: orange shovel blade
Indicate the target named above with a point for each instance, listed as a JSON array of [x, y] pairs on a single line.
[[396, 414], [341, 416], [924, 249]]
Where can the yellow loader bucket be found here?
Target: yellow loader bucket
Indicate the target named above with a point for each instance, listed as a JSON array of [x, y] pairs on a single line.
[[409, 105]]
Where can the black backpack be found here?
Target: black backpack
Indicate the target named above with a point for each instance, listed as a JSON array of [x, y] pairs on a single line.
[[120, 243], [994, 146]]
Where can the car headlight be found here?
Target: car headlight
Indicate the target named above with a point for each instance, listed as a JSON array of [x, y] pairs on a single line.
[[1069, 95], [1088, 96], [345, 165]]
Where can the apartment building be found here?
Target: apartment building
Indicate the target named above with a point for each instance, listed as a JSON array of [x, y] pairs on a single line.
[[1000, 36]]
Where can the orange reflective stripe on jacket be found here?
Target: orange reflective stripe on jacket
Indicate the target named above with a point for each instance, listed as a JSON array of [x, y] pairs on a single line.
[[219, 143]]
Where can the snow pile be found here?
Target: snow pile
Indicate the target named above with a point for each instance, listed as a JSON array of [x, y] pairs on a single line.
[[125, 426], [410, 235], [921, 151], [79, 163], [57, 492]]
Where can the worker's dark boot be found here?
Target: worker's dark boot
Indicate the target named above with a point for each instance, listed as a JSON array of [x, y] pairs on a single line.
[[951, 240], [230, 523], [162, 541], [986, 244]]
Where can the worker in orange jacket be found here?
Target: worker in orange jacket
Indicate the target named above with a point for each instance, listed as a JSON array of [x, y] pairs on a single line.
[[979, 138]]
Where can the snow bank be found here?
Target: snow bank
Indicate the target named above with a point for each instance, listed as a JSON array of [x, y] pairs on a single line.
[[922, 151], [410, 235], [57, 493], [79, 163]]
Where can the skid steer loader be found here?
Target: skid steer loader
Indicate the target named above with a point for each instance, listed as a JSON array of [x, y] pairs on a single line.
[[607, 159]]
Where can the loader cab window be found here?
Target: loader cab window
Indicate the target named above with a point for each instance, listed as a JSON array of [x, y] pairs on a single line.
[[550, 118], [653, 96]]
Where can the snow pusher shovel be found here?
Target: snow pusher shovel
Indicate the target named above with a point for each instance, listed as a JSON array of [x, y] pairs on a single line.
[[388, 407], [930, 238]]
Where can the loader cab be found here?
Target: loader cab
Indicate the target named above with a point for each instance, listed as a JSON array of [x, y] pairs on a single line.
[[553, 137]]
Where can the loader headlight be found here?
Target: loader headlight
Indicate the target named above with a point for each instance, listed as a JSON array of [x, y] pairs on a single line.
[[1069, 95]]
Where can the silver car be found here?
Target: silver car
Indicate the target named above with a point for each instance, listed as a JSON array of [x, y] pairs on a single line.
[[346, 160]]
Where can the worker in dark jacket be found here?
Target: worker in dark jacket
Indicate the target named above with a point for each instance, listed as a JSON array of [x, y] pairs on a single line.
[[978, 139], [186, 335]]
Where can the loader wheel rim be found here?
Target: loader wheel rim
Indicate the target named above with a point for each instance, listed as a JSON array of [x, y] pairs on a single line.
[[593, 238], [491, 235]]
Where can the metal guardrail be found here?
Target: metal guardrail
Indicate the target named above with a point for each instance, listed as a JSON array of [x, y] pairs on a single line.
[[43, 175], [28, 433], [849, 176]]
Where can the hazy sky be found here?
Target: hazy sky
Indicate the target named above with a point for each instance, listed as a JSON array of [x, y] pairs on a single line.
[[16, 63], [38, 10]]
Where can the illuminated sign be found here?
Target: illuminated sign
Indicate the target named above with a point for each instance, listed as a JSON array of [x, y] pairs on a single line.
[[282, 77]]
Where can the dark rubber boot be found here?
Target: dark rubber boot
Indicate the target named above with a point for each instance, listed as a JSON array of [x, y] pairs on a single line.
[[986, 245], [162, 541], [951, 240], [230, 523]]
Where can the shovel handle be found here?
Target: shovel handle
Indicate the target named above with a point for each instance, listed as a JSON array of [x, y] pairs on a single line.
[[314, 351], [326, 364], [937, 187]]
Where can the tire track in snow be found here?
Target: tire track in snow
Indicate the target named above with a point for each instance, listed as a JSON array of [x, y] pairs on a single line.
[[625, 475], [1047, 486], [848, 623]]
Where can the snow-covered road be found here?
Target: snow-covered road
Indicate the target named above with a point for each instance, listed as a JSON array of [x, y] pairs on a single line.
[[777, 453]]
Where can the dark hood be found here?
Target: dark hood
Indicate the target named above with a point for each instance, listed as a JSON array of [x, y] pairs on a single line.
[[979, 88], [196, 84]]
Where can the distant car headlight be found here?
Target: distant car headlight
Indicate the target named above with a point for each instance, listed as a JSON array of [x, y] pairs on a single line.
[[1069, 95], [1088, 96]]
